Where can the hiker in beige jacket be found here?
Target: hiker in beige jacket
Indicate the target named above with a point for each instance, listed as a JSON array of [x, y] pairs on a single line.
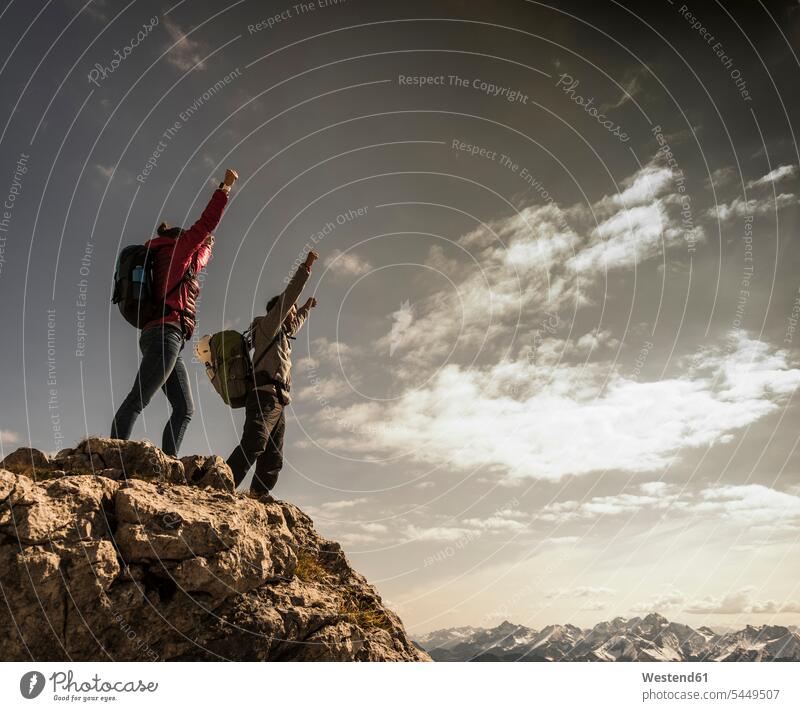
[[265, 423]]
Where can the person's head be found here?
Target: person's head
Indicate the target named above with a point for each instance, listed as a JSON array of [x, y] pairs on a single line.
[[164, 230], [273, 302]]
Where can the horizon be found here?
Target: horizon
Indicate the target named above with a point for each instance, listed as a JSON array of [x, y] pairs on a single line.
[[716, 629]]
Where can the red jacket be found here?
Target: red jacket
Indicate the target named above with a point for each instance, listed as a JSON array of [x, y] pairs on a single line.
[[180, 260]]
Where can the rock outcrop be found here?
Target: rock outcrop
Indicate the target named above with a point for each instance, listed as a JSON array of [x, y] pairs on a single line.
[[115, 551]]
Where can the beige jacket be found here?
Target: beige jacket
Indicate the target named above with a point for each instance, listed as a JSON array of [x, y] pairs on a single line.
[[272, 355]]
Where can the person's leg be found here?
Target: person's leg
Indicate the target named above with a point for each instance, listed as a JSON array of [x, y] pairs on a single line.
[[270, 463], [254, 437], [160, 348], [179, 394]]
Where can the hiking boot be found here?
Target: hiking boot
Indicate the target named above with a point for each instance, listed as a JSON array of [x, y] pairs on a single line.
[[262, 496]]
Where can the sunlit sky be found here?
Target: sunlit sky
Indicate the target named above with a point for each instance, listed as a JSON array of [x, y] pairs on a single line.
[[552, 373]]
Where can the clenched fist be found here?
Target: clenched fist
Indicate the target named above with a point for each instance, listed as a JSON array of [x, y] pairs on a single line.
[[231, 176]]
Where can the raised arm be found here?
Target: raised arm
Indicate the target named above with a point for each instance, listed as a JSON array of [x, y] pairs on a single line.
[[199, 232], [302, 315], [270, 324]]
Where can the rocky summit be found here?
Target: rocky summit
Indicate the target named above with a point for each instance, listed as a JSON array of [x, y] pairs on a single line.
[[115, 551]]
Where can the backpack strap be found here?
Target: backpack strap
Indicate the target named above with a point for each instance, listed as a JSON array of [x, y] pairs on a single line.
[[262, 377], [190, 272]]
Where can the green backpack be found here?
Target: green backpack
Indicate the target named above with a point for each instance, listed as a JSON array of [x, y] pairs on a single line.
[[226, 357]]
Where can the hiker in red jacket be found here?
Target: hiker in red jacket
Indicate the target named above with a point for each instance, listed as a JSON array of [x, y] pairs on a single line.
[[180, 255]]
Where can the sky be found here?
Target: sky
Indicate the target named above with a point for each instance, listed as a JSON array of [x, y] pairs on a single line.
[[552, 374]]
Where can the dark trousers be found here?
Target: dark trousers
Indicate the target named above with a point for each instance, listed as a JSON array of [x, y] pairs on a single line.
[[262, 442], [161, 368]]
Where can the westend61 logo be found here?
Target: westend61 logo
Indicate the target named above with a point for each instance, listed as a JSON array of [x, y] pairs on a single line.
[[66, 688]]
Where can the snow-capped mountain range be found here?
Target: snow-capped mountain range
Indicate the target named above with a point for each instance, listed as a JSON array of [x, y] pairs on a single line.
[[648, 639]]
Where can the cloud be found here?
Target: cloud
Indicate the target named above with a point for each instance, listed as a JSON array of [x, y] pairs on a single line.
[[332, 506], [413, 532], [105, 170], [185, 53], [347, 263], [649, 498], [666, 600], [506, 519], [751, 504], [563, 540], [401, 321], [581, 591], [8, 437], [596, 419], [722, 177], [324, 388], [746, 505], [595, 340], [566, 406], [738, 207], [594, 606], [736, 602], [776, 175], [633, 87], [505, 275], [326, 352], [739, 602]]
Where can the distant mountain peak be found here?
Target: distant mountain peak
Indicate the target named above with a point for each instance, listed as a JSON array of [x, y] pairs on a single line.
[[651, 638]]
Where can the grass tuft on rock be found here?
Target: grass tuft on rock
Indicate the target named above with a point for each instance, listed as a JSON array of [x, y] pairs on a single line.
[[309, 569], [361, 611]]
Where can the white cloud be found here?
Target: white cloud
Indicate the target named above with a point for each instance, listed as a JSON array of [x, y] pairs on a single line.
[[633, 87], [750, 503], [347, 263], [595, 340], [594, 606], [439, 533], [105, 170], [331, 506], [325, 352], [580, 591], [325, 388], [506, 274], [595, 418], [761, 206], [8, 437], [625, 238], [502, 520], [735, 602], [185, 53], [651, 498], [747, 505], [722, 176], [666, 600], [776, 175], [401, 321]]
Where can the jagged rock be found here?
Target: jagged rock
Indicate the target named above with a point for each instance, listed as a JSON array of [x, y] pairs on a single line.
[[120, 459], [116, 459], [28, 461], [212, 472], [96, 568]]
